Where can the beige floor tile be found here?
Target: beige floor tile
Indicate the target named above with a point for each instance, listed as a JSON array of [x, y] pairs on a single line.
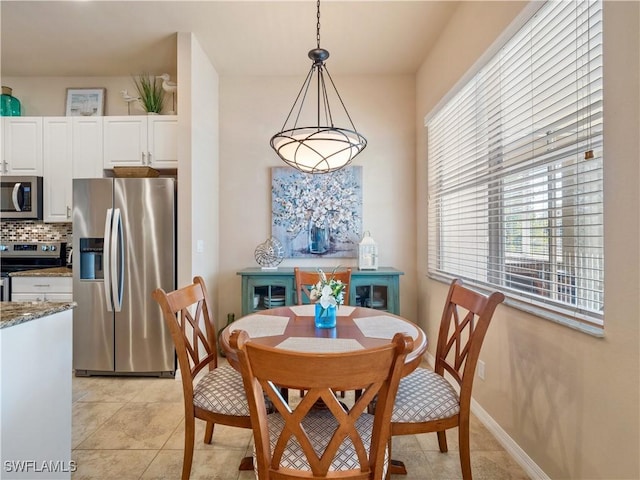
[[133, 428], [214, 464], [136, 426], [492, 465], [88, 417], [223, 437], [445, 466], [416, 463], [111, 464], [160, 390], [109, 389]]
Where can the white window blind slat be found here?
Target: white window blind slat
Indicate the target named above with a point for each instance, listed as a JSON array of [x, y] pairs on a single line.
[[515, 169]]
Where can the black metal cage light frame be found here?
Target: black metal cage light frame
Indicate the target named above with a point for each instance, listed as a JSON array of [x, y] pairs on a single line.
[[322, 148]]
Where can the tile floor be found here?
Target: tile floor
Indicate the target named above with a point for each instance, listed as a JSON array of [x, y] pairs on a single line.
[[132, 428]]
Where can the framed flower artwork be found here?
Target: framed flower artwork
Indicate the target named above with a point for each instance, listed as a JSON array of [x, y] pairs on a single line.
[[317, 215]]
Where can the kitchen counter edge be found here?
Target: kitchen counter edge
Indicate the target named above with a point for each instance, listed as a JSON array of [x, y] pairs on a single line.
[[44, 272], [15, 313]]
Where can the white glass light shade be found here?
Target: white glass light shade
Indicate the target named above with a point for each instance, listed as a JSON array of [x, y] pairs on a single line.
[[318, 149]]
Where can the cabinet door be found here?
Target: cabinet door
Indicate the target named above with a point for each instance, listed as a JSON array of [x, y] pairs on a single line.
[[125, 141], [87, 147], [163, 145], [57, 182], [262, 293], [22, 146], [379, 292]]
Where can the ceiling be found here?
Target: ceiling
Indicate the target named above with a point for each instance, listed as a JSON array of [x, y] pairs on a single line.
[[112, 38]]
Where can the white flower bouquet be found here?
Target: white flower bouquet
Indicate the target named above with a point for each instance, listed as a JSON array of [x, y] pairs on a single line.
[[328, 292]]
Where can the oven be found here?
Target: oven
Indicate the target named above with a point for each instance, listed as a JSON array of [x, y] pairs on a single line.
[[20, 197], [21, 256]]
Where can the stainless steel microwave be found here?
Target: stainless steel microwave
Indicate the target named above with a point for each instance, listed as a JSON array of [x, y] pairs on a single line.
[[20, 197]]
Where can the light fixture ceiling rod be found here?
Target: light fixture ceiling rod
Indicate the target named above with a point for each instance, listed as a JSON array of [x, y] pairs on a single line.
[[318, 24]]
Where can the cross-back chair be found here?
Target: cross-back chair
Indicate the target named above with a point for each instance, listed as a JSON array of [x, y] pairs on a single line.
[[307, 279], [426, 401], [303, 441], [217, 394]]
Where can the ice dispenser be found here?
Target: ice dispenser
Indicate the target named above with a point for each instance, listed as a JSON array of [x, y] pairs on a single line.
[[91, 252]]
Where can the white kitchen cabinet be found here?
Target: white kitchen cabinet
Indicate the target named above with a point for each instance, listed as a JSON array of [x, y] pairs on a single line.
[[72, 148], [41, 289], [58, 168], [149, 140], [22, 146], [87, 147]]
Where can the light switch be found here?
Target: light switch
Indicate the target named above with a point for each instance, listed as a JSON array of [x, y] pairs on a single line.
[[199, 246]]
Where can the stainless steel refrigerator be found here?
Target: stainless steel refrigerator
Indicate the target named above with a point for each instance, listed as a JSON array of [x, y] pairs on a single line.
[[124, 232]]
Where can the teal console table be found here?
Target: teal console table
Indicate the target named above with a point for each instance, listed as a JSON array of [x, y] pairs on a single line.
[[261, 289]]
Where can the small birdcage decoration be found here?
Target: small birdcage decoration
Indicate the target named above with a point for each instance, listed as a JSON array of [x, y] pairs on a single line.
[[367, 253]]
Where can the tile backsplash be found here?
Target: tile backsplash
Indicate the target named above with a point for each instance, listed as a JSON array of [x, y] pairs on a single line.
[[27, 231]]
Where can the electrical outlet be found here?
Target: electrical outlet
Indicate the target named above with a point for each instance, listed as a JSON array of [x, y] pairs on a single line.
[[480, 369]]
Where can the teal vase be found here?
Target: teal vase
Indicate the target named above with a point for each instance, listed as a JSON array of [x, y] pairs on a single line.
[[9, 105], [325, 317]]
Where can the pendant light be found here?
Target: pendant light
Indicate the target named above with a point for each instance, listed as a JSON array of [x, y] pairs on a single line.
[[322, 148]]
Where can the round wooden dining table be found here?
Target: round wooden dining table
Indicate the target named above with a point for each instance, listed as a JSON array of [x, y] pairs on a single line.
[[292, 328]]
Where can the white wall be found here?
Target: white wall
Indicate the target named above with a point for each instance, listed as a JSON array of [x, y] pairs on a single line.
[[568, 399], [252, 109], [46, 96], [198, 169]]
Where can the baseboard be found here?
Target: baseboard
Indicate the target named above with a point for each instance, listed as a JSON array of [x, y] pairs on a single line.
[[518, 454]]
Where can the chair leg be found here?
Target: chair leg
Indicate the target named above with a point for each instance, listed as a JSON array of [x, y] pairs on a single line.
[[396, 467], [246, 463], [208, 433], [465, 453], [189, 438], [442, 441]]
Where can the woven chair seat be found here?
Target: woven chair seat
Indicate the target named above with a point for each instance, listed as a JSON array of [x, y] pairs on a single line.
[[320, 425], [424, 396], [221, 391]]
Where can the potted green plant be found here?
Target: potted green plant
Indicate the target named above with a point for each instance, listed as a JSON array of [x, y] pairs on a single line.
[[150, 92]]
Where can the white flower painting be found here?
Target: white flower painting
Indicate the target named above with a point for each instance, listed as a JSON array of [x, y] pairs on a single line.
[[317, 215]]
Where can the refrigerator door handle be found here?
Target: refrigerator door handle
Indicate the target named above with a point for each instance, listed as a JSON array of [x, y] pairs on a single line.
[[117, 261], [106, 251]]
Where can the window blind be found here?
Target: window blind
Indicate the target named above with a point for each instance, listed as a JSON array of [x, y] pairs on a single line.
[[515, 169]]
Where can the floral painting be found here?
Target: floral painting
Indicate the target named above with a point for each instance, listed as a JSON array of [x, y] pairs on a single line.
[[317, 215]]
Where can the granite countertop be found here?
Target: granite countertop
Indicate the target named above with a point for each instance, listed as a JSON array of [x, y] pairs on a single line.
[[44, 272], [15, 313]]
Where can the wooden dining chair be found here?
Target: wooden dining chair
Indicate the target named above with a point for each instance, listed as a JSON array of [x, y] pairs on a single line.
[[306, 279], [216, 396], [426, 401], [303, 441]]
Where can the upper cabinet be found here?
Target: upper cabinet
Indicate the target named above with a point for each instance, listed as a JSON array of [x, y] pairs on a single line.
[[58, 168], [87, 147], [149, 140], [22, 146], [72, 148]]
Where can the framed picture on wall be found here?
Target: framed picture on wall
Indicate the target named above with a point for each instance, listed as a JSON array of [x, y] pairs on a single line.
[[85, 102], [317, 215]]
